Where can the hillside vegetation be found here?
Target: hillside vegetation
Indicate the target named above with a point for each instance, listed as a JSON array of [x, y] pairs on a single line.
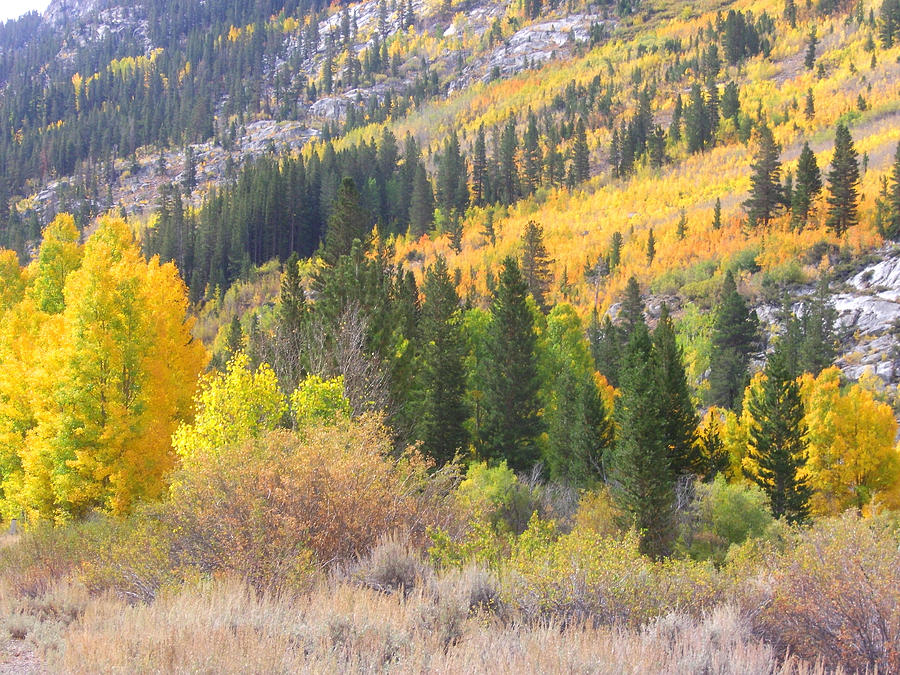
[[461, 336]]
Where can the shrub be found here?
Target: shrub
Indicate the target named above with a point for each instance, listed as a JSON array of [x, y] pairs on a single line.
[[269, 508], [391, 566], [835, 594], [722, 515], [43, 556], [587, 576]]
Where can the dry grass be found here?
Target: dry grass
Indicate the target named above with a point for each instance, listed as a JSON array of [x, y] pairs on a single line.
[[226, 628]]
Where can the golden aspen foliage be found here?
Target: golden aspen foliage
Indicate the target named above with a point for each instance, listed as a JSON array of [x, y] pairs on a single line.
[[12, 280], [852, 458], [233, 406], [318, 400], [852, 455], [60, 254], [97, 368]]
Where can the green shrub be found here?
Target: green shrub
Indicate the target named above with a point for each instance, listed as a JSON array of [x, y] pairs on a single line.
[[724, 514]]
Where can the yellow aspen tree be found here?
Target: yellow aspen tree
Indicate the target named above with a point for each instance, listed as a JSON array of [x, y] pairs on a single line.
[[232, 406], [60, 253], [852, 456]]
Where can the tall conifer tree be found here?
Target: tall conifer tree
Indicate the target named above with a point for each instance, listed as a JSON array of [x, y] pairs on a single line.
[[511, 422], [843, 184]]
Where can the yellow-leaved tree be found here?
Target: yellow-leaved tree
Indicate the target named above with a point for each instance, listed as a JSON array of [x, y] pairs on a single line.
[[852, 455], [233, 406], [106, 366]]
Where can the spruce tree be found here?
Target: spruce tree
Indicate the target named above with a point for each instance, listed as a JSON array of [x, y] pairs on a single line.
[[348, 221], [717, 215], [777, 443], [696, 127], [843, 184], [536, 264], [733, 340], [421, 203], [606, 348], [580, 153], [580, 431], [235, 339], [731, 102], [511, 422], [479, 168], [442, 414], [714, 456], [679, 422], [765, 181], [531, 156], [818, 348], [809, 108], [651, 247], [615, 251], [681, 228], [642, 482], [812, 42], [892, 229], [452, 184], [509, 188], [631, 313], [808, 187]]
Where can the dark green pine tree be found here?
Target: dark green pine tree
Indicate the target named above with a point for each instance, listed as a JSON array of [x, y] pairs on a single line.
[[606, 347], [651, 247], [631, 313], [765, 182], [777, 443], [807, 188], [714, 456], [614, 257], [790, 13], [442, 379], [696, 126], [843, 184], [679, 422], [479, 168], [580, 430], [536, 264], [643, 486], [811, 44], [675, 126], [292, 298], [291, 317], [531, 156], [818, 348], [581, 163], [681, 228], [421, 203], [731, 102], [809, 108], [508, 188], [511, 422], [717, 215], [234, 341], [452, 183], [892, 226], [734, 339], [348, 221]]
